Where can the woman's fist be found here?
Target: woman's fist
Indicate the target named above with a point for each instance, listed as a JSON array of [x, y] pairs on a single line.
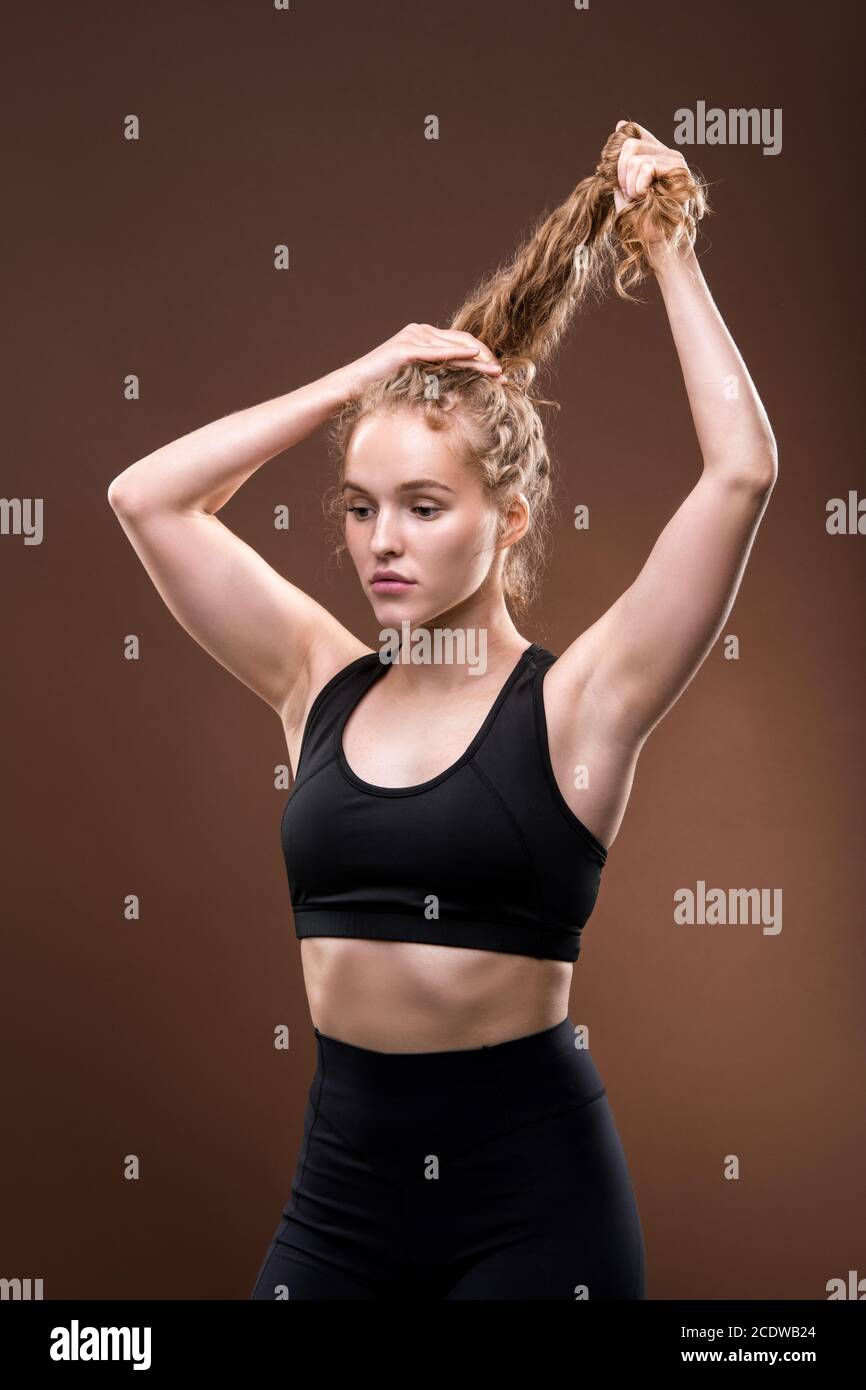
[[641, 161]]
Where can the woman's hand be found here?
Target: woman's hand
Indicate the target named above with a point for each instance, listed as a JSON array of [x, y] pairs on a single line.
[[641, 161], [421, 342]]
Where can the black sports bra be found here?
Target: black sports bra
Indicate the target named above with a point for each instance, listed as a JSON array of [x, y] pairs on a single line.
[[488, 854]]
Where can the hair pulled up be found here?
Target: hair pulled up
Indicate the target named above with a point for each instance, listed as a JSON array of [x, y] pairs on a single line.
[[521, 312]]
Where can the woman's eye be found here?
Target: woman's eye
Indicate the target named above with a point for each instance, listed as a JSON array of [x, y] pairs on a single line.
[[427, 508]]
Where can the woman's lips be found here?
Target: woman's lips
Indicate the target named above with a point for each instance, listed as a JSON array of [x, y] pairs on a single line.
[[392, 586]]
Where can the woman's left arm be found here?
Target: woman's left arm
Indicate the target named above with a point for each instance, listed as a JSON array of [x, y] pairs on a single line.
[[633, 664], [733, 431]]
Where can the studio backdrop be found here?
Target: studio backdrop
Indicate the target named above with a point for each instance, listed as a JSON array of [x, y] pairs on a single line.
[[210, 205]]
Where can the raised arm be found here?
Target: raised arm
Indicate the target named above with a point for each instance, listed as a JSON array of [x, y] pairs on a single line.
[[258, 625], [270, 634], [635, 662]]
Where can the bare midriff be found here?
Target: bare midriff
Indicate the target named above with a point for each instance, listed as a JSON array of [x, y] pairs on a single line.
[[406, 996]]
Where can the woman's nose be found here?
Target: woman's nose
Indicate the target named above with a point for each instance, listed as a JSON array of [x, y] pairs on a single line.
[[385, 535]]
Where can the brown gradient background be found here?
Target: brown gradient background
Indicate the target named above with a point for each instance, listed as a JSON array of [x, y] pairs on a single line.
[[156, 777]]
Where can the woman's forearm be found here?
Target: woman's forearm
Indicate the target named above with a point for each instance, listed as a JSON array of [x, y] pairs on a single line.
[[205, 468], [733, 430]]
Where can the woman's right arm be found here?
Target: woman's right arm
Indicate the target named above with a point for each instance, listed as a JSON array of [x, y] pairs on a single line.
[[276, 639], [266, 631]]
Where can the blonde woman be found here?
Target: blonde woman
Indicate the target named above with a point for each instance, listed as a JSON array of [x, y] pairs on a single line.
[[442, 857]]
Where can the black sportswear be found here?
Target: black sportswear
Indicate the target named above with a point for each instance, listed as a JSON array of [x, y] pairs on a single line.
[[491, 1173], [488, 854]]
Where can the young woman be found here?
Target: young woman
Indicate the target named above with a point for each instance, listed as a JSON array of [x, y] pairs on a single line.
[[442, 855]]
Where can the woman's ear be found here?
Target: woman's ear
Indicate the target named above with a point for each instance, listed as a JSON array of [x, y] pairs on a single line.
[[516, 519]]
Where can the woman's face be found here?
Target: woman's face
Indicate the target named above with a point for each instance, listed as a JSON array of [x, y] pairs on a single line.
[[416, 509]]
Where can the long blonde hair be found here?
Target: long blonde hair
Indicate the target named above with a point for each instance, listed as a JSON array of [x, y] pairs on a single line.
[[521, 312]]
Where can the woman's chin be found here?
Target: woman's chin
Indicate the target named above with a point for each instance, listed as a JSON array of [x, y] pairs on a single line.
[[392, 609], [395, 610]]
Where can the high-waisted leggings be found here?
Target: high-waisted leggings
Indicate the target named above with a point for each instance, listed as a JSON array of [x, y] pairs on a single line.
[[488, 1173]]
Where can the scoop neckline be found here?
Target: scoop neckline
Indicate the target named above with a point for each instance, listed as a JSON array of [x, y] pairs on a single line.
[[464, 758]]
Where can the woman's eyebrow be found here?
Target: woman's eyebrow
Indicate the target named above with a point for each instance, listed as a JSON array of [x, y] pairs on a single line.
[[412, 486]]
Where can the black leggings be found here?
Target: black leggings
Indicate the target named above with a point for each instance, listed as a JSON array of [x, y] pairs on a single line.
[[496, 1172]]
